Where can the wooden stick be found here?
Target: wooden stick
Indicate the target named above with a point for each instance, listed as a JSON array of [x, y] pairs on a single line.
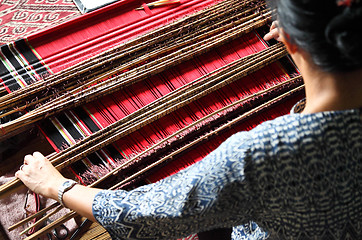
[[231, 73], [52, 225], [35, 215], [3, 91], [38, 87], [214, 132], [53, 80], [111, 130], [128, 52], [190, 126], [111, 134], [112, 86], [187, 146], [41, 220]]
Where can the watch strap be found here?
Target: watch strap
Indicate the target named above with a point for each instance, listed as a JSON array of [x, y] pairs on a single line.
[[67, 185]]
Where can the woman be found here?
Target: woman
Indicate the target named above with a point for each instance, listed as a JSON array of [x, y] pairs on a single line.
[[298, 176]]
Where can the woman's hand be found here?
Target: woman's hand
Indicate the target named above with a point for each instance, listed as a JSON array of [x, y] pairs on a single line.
[[273, 33], [40, 176]]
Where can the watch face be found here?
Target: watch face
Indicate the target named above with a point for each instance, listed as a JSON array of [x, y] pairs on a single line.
[[67, 184]]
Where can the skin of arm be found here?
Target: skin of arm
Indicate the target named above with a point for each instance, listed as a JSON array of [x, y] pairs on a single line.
[[41, 177]]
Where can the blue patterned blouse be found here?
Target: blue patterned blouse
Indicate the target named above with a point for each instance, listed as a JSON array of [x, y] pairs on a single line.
[[298, 177]]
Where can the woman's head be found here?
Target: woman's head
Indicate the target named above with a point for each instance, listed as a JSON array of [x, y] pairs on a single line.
[[329, 30]]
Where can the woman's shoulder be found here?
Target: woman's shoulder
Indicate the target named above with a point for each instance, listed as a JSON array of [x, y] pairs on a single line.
[[302, 122], [294, 133]]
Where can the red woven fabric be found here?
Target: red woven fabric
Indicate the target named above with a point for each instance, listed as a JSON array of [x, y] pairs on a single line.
[[19, 18]]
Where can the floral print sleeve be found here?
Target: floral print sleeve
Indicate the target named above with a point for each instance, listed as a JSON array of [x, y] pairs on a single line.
[[202, 195]]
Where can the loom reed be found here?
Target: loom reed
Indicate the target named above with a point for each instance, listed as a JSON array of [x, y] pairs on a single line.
[[144, 41], [207, 136], [179, 132], [113, 84], [182, 149], [168, 104], [166, 109], [174, 103], [172, 99], [32, 116], [127, 53], [167, 100]]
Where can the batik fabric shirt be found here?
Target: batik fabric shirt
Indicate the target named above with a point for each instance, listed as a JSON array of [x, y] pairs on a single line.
[[296, 177]]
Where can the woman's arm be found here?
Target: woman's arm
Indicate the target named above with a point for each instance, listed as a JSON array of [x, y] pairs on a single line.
[[207, 195]]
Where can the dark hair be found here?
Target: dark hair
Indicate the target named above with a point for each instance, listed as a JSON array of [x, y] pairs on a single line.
[[329, 30]]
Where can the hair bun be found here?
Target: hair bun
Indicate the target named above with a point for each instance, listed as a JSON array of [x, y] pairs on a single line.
[[344, 32]]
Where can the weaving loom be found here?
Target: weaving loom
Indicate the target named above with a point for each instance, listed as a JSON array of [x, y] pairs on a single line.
[[146, 93]]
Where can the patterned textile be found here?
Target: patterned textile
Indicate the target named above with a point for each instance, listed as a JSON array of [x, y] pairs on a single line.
[[19, 18], [298, 177], [20, 65]]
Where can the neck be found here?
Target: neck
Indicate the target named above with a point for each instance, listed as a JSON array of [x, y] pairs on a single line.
[[330, 91]]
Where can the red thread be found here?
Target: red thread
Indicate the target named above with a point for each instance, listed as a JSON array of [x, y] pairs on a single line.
[[345, 3], [147, 9]]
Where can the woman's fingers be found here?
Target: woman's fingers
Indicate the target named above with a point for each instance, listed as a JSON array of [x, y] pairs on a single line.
[[38, 156], [39, 175], [273, 33], [28, 158], [274, 25]]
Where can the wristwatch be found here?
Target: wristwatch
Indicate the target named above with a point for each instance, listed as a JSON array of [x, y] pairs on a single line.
[[67, 185]]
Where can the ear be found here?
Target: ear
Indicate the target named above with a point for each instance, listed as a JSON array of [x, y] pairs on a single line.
[[291, 47]]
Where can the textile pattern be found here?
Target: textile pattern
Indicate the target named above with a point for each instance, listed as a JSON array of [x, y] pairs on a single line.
[[20, 18]]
